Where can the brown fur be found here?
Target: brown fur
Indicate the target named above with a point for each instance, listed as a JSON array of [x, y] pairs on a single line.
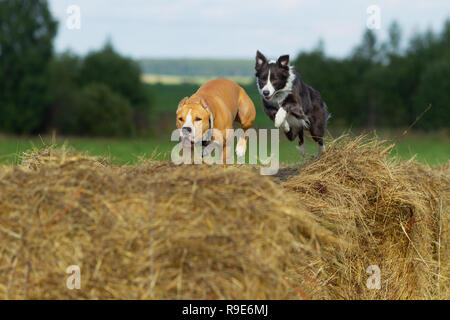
[[225, 100]]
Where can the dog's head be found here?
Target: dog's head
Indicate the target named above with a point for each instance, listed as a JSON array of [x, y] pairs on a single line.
[[271, 76], [194, 119]]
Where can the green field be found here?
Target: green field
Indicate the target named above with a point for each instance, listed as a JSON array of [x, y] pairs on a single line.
[[428, 148], [199, 67], [431, 148]]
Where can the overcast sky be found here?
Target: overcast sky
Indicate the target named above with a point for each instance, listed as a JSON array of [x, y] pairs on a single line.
[[234, 28]]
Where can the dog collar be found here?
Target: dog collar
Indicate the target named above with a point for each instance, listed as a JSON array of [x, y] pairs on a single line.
[[209, 133]]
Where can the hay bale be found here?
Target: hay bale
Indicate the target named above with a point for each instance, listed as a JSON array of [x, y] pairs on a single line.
[[158, 231], [150, 231], [389, 212]]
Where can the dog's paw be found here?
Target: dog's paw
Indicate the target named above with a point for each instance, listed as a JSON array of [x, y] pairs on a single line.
[[305, 123], [302, 150], [321, 150], [280, 117], [240, 151]]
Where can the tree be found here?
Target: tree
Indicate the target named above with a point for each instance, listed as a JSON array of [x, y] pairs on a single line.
[[123, 76], [330, 76], [434, 89], [67, 99], [120, 74], [80, 85], [27, 30], [395, 37], [381, 84], [367, 61], [368, 50]]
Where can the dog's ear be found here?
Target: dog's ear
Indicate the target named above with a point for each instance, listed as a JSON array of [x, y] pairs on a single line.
[[283, 61], [260, 60], [205, 105], [182, 102]]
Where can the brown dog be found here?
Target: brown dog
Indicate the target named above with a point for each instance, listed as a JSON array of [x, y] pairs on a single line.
[[216, 105]]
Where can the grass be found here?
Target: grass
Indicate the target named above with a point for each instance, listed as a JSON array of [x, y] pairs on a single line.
[[428, 148], [431, 148]]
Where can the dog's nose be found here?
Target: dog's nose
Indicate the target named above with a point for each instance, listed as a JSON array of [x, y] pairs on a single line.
[[186, 130], [266, 92]]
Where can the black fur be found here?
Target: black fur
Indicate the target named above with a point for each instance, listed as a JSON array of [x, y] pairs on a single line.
[[301, 101]]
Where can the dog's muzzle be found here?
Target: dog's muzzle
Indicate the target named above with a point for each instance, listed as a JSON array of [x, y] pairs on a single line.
[[186, 131]]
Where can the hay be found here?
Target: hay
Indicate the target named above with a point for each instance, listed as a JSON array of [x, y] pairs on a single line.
[[389, 213], [158, 231]]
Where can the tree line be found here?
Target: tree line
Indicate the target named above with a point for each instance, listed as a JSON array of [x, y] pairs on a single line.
[[385, 84], [100, 94]]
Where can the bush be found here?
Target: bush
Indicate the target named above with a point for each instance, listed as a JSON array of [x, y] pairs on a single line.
[[123, 76], [104, 113], [74, 96]]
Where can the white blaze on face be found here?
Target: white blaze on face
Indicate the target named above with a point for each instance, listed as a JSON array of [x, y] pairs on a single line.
[[188, 124], [268, 87]]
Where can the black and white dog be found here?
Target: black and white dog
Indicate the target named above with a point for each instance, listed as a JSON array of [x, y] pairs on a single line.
[[291, 103]]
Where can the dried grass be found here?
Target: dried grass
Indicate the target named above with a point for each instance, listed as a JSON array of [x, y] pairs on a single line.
[[158, 231]]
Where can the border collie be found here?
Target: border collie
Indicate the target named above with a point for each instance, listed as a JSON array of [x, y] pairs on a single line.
[[289, 102]]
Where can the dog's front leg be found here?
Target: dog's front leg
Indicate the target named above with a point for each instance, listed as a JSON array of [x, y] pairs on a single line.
[[281, 120], [241, 147], [296, 110]]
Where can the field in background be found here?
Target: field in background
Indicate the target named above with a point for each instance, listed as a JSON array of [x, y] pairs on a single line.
[[199, 67], [428, 148], [431, 148], [177, 80]]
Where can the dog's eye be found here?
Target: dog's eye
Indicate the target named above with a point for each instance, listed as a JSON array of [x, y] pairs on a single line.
[[181, 119], [198, 119]]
